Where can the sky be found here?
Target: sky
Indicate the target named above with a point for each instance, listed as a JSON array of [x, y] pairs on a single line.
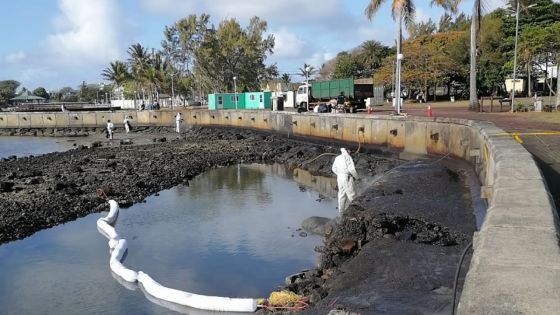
[[58, 43]]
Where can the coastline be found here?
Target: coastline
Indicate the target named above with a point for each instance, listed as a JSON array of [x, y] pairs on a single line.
[[159, 159]]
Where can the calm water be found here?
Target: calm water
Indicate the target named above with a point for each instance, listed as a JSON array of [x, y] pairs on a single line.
[[25, 146], [232, 232]]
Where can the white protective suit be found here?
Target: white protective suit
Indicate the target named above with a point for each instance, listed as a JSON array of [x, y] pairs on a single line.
[[345, 171], [126, 125], [178, 123], [110, 127]]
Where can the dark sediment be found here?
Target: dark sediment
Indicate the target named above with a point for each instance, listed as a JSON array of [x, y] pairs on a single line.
[[43, 191], [397, 248], [394, 252]]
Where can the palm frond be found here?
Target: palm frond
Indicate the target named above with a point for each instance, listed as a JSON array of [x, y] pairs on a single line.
[[448, 5], [372, 8]]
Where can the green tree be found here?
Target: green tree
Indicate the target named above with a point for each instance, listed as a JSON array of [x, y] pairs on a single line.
[[535, 15], [66, 94], [447, 23], [432, 60], [139, 63], [539, 46], [347, 66], [8, 90], [117, 72], [40, 91], [491, 57], [89, 92], [371, 54], [230, 51], [401, 10], [179, 45], [421, 28], [286, 79]]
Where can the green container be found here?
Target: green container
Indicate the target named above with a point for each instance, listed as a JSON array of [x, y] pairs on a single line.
[[326, 90], [225, 101], [248, 100]]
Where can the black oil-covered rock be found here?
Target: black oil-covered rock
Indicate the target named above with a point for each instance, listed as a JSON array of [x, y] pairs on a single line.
[[58, 187], [394, 251]]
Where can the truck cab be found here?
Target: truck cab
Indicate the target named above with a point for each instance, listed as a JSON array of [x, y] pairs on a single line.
[[303, 96]]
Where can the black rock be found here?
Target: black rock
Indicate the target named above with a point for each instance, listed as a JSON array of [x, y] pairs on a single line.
[[6, 186]]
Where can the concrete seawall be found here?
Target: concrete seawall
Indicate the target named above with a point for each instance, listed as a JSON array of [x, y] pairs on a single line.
[[515, 267]]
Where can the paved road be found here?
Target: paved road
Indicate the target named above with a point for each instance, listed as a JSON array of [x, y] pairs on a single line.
[[539, 134]]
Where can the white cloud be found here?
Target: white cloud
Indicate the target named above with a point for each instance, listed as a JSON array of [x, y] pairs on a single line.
[[28, 77], [15, 57], [368, 32], [320, 57], [286, 10], [287, 44], [172, 8], [269, 10], [87, 33]]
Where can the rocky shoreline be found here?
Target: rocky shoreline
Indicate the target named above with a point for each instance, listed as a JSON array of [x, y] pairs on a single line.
[[392, 218], [397, 248]]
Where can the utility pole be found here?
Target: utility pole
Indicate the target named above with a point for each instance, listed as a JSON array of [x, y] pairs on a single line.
[[235, 90], [398, 70], [172, 92], [515, 55]]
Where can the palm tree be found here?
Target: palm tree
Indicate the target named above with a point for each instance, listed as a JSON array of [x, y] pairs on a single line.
[[156, 73], [403, 10], [286, 79], [117, 72], [371, 55], [475, 22], [303, 71], [139, 62]]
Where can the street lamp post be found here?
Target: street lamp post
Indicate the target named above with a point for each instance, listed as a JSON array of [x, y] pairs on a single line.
[[398, 67], [235, 91], [101, 87], [307, 69], [515, 51], [515, 55], [172, 91]]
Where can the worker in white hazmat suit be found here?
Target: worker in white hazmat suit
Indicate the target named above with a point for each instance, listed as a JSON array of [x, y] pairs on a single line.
[[345, 171], [178, 120], [110, 128]]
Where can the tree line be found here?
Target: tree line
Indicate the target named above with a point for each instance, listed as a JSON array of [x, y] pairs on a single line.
[[437, 55], [197, 57]]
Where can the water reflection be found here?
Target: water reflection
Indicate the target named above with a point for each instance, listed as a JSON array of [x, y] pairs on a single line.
[[232, 232], [225, 230], [25, 146]]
